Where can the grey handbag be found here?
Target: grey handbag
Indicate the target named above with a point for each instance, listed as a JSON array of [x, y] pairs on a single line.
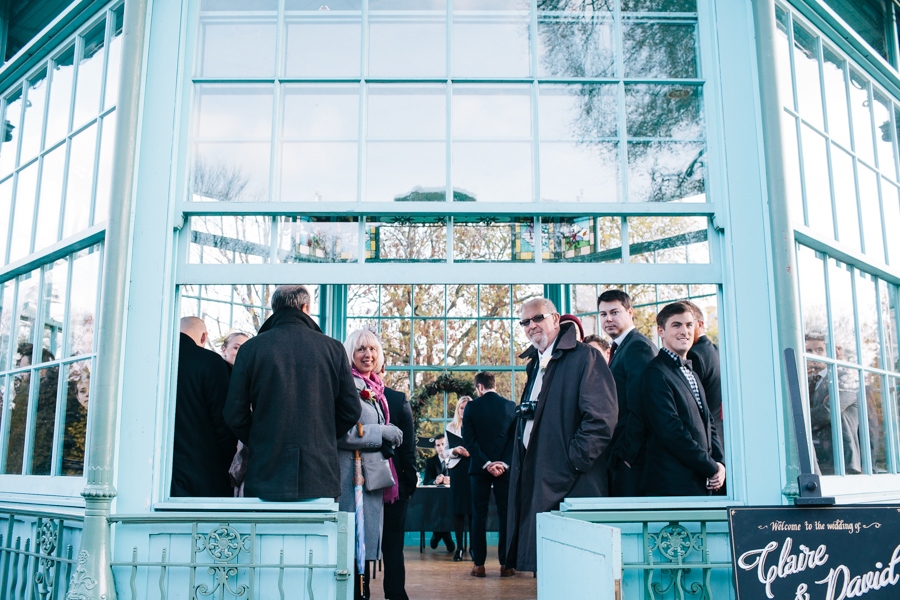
[[376, 471]]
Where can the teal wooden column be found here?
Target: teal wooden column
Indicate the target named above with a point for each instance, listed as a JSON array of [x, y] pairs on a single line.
[[93, 575], [337, 312], [554, 293]]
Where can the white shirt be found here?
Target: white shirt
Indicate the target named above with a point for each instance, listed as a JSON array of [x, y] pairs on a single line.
[[618, 341], [543, 359]]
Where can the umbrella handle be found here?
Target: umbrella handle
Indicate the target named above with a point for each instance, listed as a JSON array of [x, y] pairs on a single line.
[[359, 429]]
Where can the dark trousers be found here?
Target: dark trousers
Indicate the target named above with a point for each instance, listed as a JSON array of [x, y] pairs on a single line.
[[481, 494], [625, 481], [392, 550]]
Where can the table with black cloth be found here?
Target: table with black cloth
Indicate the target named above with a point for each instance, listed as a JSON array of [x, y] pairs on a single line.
[[431, 509]]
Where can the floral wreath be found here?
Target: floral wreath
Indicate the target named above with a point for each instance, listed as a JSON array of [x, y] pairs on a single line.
[[446, 382]]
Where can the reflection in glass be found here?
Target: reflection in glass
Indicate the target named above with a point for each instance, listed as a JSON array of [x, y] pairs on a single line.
[[578, 112], [842, 317], [875, 413], [806, 73], [61, 76], [580, 172], [495, 111], [83, 301], [18, 415], [400, 239], [78, 393], [577, 239], [668, 240], [870, 208], [5, 208], [26, 313], [406, 171], [318, 239], [660, 5], [844, 198], [10, 138], [488, 46], [862, 120], [231, 172], [492, 171], [836, 93], [666, 172], [407, 46], [321, 112], [323, 45], [891, 204], [811, 275], [660, 49], [104, 169], [818, 376], [89, 88], [867, 312], [244, 48], [818, 194], [319, 172], [889, 316], [47, 230], [576, 45], [791, 153], [44, 421], [114, 60], [34, 116], [230, 239], [231, 112], [665, 111], [78, 185], [884, 135], [23, 212], [53, 301], [487, 239], [783, 59], [403, 112], [6, 320], [848, 392]]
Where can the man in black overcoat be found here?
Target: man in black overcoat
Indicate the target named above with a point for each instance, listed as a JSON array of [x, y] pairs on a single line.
[[684, 454], [488, 434], [291, 397], [630, 353], [558, 444], [704, 356], [203, 444], [394, 527]]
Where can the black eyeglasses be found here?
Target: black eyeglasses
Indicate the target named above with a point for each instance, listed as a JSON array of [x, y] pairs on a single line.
[[535, 318]]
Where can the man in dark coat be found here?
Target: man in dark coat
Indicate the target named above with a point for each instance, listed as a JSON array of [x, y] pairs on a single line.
[[292, 396], [558, 444], [704, 356], [629, 355], [395, 513], [204, 445], [488, 434], [684, 454]]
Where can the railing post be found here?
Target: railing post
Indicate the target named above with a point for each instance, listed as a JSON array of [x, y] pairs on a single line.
[[93, 577]]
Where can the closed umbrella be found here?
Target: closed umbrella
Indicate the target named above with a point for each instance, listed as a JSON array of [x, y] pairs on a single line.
[[360, 517]]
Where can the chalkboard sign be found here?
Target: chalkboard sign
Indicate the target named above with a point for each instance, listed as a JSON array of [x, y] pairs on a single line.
[[828, 553]]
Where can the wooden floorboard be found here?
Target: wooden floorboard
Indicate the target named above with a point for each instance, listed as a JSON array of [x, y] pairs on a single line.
[[434, 574]]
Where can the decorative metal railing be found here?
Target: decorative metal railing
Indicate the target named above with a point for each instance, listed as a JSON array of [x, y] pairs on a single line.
[[670, 554], [36, 553], [237, 555]]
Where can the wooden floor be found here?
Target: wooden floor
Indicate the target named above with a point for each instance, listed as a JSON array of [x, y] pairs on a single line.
[[435, 575]]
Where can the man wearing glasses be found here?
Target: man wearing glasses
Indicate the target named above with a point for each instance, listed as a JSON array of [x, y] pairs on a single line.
[[566, 419]]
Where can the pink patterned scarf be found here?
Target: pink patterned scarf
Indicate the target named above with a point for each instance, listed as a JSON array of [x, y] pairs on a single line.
[[376, 386]]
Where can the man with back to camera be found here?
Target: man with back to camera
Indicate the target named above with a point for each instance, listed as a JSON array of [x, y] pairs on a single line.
[[292, 396], [704, 356], [684, 453], [566, 420], [629, 355], [488, 434], [203, 444]]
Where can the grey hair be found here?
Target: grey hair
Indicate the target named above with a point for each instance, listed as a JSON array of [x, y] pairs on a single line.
[[290, 296], [546, 305], [358, 339]]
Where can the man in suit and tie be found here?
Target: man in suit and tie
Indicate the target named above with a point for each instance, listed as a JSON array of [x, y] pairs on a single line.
[[630, 353], [704, 356], [488, 435], [436, 473], [684, 454]]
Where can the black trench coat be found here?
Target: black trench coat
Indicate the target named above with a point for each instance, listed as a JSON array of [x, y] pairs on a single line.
[[573, 424], [299, 384]]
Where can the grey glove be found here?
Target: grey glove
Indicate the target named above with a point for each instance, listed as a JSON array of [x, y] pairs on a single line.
[[392, 435]]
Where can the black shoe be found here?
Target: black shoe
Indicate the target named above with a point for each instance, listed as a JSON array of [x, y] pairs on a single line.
[[458, 555], [450, 546], [435, 540]]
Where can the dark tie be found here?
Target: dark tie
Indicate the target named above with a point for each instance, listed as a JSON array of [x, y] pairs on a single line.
[[612, 350]]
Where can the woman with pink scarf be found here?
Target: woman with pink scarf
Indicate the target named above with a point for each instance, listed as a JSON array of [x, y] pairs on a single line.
[[376, 435]]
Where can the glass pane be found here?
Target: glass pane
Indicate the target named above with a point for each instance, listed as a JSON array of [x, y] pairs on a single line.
[[668, 239], [889, 316], [83, 301], [230, 239], [862, 120], [104, 169], [395, 338], [891, 203], [320, 112], [318, 239], [231, 172], [819, 386], [867, 311], [580, 172], [578, 112], [78, 186], [578, 239], [402, 45], [573, 45], [403, 112], [45, 421], [654, 111], [783, 59], [362, 300], [400, 240], [114, 62], [664, 50], [429, 300], [660, 5], [845, 198], [34, 116], [666, 172], [492, 172], [319, 172], [494, 301], [884, 135], [243, 47], [811, 273], [10, 138], [47, 230], [23, 213], [485, 240], [78, 393], [496, 111], [806, 72], [429, 341], [18, 416], [848, 392], [89, 86], [53, 301], [494, 339], [487, 46], [875, 411], [462, 300], [61, 76], [836, 95], [6, 320], [232, 112], [791, 152], [462, 343], [26, 313], [818, 194], [406, 171], [323, 46], [842, 311], [5, 209], [870, 208]]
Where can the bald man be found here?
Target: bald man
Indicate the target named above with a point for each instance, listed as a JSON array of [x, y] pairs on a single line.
[[204, 445]]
